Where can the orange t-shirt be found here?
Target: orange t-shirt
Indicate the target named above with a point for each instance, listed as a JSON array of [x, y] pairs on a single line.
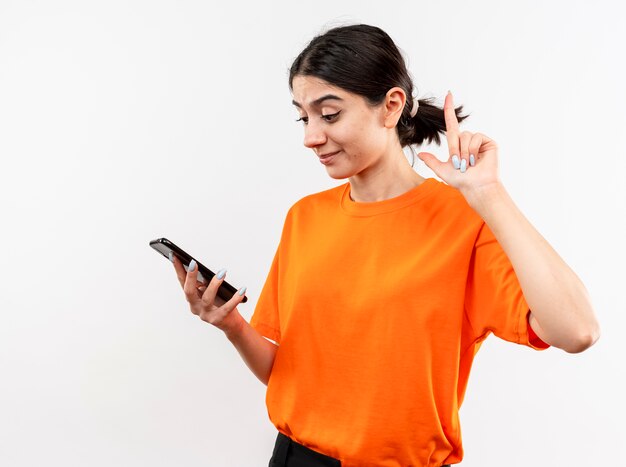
[[378, 309]]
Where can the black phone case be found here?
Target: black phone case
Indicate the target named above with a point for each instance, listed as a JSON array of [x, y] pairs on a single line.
[[164, 246]]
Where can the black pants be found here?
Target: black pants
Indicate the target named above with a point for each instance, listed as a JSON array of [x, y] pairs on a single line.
[[288, 453]]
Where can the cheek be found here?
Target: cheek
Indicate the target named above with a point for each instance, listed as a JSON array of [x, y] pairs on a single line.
[[365, 140], [359, 136], [354, 136]]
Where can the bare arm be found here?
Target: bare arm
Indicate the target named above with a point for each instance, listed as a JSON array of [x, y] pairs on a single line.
[[255, 350], [562, 314]]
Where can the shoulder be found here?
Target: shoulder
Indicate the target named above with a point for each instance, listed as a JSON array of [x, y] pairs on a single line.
[[445, 196], [311, 210], [449, 206], [445, 192], [320, 201]]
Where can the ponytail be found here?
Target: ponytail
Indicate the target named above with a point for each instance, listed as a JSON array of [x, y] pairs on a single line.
[[426, 125]]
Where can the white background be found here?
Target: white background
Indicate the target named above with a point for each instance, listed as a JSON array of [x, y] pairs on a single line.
[[125, 121]]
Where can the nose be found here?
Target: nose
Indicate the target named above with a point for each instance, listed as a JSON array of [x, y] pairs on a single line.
[[314, 135]]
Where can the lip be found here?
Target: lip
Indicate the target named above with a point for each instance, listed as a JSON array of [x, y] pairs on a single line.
[[327, 158]]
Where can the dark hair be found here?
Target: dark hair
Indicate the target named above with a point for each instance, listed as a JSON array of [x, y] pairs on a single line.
[[364, 60]]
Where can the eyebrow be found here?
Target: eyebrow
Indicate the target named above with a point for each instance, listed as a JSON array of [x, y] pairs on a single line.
[[317, 102]]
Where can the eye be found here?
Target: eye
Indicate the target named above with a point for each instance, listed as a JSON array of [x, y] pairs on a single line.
[[328, 118], [331, 117]]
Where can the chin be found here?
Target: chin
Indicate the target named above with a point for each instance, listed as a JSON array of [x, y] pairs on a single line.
[[339, 171], [338, 174]]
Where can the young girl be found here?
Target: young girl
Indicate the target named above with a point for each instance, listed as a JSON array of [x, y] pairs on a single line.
[[383, 288]]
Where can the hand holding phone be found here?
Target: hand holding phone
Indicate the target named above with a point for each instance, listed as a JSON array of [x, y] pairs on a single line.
[[209, 296], [167, 248]]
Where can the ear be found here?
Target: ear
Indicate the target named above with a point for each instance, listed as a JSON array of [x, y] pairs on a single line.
[[395, 99]]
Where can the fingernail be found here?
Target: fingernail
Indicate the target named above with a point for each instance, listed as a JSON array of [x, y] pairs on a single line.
[[221, 273], [242, 290], [192, 265], [472, 160], [455, 161], [463, 165], [171, 255]]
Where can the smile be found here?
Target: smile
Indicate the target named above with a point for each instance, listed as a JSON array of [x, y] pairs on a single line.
[[328, 158]]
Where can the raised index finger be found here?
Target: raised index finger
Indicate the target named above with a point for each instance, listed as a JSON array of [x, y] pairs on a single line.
[[452, 124]]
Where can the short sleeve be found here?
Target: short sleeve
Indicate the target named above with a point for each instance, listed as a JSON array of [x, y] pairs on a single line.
[[265, 318], [494, 301]]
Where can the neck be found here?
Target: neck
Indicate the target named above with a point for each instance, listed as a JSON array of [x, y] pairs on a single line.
[[389, 178]]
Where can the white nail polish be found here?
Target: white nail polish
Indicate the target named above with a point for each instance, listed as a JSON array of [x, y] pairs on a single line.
[[455, 162]]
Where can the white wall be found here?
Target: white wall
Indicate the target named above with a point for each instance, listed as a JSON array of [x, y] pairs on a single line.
[[125, 121]]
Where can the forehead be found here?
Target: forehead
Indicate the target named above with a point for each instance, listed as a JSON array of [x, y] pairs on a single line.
[[309, 91]]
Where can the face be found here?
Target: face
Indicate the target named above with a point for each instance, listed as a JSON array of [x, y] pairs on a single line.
[[349, 136]]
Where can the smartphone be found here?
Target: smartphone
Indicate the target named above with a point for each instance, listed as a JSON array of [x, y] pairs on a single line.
[[164, 246]]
